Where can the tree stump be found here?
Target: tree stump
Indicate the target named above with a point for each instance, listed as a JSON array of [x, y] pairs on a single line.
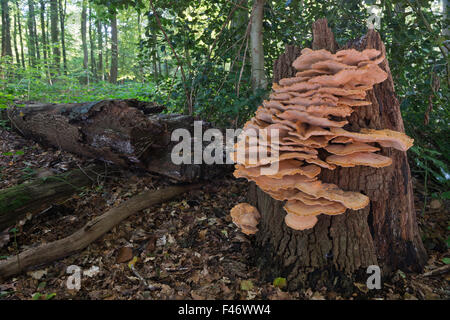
[[339, 248]]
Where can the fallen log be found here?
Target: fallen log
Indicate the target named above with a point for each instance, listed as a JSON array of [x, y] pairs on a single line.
[[91, 231], [38, 194], [123, 132]]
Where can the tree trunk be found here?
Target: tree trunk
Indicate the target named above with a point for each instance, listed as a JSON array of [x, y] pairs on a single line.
[[92, 46], [33, 197], [83, 41], [114, 50], [124, 132], [339, 248], [6, 30], [16, 48], [100, 50], [43, 37], [259, 80], [54, 36], [19, 25], [31, 40], [35, 35], [62, 19], [105, 32]]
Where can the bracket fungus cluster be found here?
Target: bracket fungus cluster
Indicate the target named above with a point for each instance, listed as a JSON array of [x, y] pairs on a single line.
[[308, 113]]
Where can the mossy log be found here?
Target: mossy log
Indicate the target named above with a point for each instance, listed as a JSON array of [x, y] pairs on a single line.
[[36, 195]]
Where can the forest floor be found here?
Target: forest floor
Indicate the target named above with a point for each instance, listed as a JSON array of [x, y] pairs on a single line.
[[188, 248]]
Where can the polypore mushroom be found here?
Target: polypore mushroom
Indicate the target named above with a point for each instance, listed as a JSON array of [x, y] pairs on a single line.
[[308, 112], [350, 148], [296, 222], [360, 159], [246, 217]]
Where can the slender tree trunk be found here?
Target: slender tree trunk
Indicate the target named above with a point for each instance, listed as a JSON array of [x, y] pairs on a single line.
[[100, 50], [6, 30], [35, 36], [259, 80], [31, 40], [45, 49], [19, 26], [16, 48], [337, 251], [54, 35], [141, 68], [62, 18], [114, 50], [106, 67], [84, 41], [43, 37], [92, 46]]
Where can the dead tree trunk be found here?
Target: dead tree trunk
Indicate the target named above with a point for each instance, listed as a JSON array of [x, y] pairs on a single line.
[[340, 248], [124, 132]]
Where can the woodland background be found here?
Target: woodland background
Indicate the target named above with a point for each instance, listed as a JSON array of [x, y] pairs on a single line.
[[195, 57]]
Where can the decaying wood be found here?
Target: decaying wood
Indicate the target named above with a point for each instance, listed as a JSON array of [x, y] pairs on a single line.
[[385, 233], [93, 230], [128, 133], [37, 195]]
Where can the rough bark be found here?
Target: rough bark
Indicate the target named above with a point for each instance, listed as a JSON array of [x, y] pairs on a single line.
[[91, 231], [124, 132], [259, 80], [37, 195], [340, 248]]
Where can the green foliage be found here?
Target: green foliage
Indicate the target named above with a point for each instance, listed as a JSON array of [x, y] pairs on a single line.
[[280, 283], [208, 40]]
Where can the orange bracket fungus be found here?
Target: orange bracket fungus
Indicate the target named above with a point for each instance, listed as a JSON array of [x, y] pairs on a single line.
[[310, 112], [246, 217]]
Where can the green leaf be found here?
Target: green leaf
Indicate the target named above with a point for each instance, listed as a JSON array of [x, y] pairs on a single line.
[[36, 296], [446, 195], [50, 296], [280, 282], [446, 260]]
